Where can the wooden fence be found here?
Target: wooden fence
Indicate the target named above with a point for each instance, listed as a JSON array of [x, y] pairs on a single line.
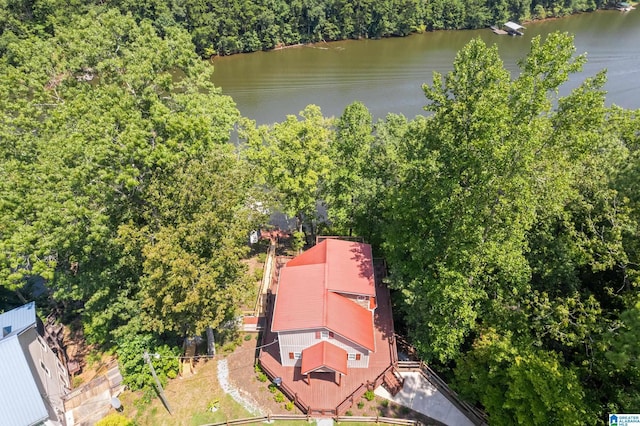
[[360, 419], [474, 414]]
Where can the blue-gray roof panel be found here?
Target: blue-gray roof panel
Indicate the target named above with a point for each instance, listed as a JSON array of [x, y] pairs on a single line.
[[20, 400], [18, 319]]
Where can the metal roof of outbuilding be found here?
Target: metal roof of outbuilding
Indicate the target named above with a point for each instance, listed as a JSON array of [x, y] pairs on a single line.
[[513, 26], [20, 400], [16, 320]]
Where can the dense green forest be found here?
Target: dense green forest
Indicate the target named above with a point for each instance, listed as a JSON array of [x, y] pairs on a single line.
[[228, 27], [509, 216]]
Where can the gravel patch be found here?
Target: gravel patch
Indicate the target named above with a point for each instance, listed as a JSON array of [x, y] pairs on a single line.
[[241, 397]]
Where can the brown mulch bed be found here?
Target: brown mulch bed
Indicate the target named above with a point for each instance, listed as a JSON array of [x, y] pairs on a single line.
[[243, 376]]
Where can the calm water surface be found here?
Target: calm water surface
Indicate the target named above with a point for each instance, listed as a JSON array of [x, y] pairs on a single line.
[[387, 74]]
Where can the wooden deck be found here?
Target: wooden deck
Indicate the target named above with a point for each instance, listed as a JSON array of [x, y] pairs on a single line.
[[324, 396]]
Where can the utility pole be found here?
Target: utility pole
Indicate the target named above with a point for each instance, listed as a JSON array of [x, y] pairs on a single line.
[[160, 390]]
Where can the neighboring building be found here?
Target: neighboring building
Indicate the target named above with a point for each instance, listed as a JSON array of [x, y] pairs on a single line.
[[323, 313], [32, 378]]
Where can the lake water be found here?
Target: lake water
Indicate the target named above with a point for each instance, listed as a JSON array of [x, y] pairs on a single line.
[[387, 75]]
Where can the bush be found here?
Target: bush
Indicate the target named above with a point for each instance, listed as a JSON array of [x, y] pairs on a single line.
[[278, 397], [360, 404], [135, 370], [289, 406], [247, 337], [114, 419], [385, 403], [369, 395], [258, 274], [272, 388], [261, 257], [262, 377], [348, 413], [77, 381]]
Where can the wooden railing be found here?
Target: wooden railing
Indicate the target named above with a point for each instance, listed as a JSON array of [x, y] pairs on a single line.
[[474, 414], [267, 276], [359, 419], [293, 396]]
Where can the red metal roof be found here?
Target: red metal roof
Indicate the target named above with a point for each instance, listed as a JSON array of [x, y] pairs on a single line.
[[324, 355], [307, 295], [350, 320], [349, 265]]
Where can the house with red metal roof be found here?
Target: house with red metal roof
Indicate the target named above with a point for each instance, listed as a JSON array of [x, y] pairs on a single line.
[[324, 308]]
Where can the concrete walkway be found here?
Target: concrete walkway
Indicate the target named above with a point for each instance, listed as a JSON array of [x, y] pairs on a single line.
[[421, 396]]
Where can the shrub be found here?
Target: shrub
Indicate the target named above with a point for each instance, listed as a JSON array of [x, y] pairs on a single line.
[[272, 388], [360, 404], [262, 377], [114, 419], [369, 395], [258, 274], [385, 403], [348, 413], [289, 406], [247, 337], [278, 397], [135, 370], [77, 381], [261, 257]]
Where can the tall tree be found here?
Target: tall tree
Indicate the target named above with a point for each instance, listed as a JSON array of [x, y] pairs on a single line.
[[292, 158], [349, 150], [193, 276], [477, 174], [98, 117]]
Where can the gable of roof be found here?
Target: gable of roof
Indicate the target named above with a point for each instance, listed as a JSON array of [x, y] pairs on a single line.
[[324, 355], [18, 319], [308, 291], [21, 402], [350, 320]]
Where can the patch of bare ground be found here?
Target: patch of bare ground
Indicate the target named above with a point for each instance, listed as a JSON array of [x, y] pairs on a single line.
[[242, 375], [86, 362]]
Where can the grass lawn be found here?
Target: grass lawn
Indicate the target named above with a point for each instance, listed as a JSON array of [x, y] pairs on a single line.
[[189, 399]]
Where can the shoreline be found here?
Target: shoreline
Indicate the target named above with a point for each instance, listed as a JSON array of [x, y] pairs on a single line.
[[324, 42]]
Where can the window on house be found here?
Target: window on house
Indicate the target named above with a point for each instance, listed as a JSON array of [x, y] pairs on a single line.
[[324, 335], [42, 343], [358, 357], [44, 367], [351, 357], [362, 298], [290, 355], [297, 355], [6, 330]]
